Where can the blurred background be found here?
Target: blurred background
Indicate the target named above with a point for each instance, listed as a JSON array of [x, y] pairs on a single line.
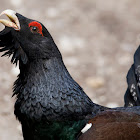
[[97, 40]]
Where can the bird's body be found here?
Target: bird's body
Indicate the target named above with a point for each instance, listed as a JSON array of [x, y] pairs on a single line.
[[50, 105], [50, 102]]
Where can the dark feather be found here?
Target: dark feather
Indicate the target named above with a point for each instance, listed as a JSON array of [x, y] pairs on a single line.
[[132, 95]]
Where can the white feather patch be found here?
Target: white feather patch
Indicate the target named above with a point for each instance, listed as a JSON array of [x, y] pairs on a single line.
[[138, 125], [86, 128]]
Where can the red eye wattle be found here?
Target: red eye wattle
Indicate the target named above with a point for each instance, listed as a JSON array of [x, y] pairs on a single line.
[[35, 25]]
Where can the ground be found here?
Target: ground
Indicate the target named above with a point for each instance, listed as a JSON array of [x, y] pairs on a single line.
[[97, 40]]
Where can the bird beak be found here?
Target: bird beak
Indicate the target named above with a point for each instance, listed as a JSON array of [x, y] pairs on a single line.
[[14, 22]]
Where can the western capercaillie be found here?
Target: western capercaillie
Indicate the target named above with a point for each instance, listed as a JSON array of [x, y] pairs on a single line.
[[50, 104]]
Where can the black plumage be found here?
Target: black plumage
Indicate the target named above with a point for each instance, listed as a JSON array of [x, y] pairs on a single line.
[[132, 95]]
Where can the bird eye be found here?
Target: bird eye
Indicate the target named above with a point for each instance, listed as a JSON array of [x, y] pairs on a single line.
[[34, 29]]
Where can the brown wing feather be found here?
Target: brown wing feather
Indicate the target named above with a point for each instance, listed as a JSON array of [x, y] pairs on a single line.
[[114, 125]]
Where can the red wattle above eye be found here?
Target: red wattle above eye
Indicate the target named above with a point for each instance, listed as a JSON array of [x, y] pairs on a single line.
[[38, 25]]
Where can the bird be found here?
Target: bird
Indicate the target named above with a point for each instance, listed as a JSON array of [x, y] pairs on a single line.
[[132, 94], [50, 104]]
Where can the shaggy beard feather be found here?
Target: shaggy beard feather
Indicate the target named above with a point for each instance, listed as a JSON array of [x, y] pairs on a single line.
[[11, 47]]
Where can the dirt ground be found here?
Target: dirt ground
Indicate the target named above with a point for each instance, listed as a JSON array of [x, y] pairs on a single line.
[[97, 40]]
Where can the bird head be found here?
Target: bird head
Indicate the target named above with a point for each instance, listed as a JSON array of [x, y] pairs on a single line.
[[25, 39]]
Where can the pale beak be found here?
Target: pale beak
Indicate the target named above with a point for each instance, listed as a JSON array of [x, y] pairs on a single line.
[[14, 22]]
